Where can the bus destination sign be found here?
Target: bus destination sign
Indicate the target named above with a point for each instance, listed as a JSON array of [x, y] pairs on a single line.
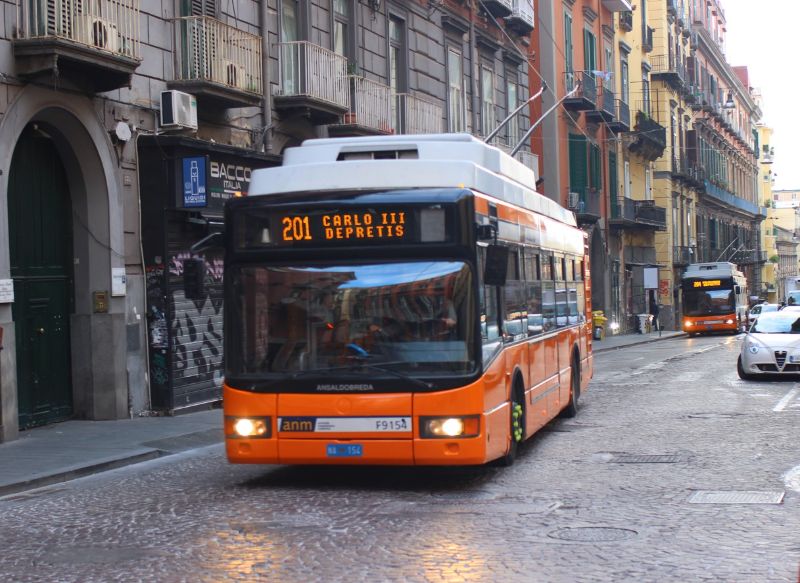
[[707, 283], [323, 227], [358, 226]]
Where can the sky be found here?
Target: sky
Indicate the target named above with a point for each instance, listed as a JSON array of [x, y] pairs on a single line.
[[762, 36]]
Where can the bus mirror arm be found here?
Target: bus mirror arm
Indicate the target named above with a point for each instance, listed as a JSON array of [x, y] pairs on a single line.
[[212, 240], [486, 232]]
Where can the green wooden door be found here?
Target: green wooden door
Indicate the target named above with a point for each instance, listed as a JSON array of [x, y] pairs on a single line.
[[41, 248]]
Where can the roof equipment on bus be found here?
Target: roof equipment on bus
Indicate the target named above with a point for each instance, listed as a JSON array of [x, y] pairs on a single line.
[[406, 162]]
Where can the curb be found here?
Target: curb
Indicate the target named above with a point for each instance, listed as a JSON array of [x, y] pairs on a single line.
[[79, 472], [639, 342]]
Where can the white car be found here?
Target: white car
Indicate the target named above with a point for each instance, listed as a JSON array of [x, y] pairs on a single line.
[[772, 346], [759, 309]]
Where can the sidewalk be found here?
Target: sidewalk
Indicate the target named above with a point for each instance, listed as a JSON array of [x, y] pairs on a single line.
[[65, 451], [72, 449], [622, 340]]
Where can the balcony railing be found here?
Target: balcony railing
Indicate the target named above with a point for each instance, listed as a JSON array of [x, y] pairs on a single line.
[[586, 95], [622, 118], [641, 213], [669, 68], [309, 70], [212, 51], [585, 202], [626, 20], [415, 115], [370, 105], [105, 25], [521, 18]]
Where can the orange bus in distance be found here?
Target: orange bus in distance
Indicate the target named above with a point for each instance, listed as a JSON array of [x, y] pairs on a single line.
[[400, 300]]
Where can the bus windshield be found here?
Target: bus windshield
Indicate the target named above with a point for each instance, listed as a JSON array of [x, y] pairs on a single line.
[[416, 318], [701, 302]]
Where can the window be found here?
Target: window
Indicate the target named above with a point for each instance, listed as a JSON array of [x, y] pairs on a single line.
[[624, 88], [511, 104], [199, 8], [589, 51], [341, 23], [488, 120], [455, 82], [646, 93], [397, 45], [533, 294], [290, 21], [515, 314], [568, 64]]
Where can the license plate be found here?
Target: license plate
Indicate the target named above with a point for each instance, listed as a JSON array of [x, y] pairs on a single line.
[[344, 450]]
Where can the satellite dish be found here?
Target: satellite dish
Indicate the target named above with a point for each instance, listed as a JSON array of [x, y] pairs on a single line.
[[122, 131]]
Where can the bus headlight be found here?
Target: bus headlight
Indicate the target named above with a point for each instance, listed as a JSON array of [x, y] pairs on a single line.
[[687, 323], [247, 426], [449, 426], [729, 321]]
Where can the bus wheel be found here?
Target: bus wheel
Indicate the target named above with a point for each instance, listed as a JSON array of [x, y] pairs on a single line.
[[571, 410], [517, 426]]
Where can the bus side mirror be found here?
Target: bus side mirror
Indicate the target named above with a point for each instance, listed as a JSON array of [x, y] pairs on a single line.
[[495, 271], [737, 289], [194, 277]]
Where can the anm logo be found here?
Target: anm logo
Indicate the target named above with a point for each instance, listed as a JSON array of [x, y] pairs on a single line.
[[297, 424]]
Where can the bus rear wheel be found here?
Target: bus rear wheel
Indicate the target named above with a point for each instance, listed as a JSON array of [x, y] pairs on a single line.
[[516, 426], [571, 410]]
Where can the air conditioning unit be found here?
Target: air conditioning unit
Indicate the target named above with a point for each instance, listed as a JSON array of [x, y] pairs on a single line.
[[99, 33], [573, 200], [233, 74], [178, 110]]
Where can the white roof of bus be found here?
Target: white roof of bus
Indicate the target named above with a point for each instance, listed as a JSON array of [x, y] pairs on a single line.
[[417, 161], [718, 269]]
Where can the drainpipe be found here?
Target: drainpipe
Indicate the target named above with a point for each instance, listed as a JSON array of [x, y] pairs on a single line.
[[474, 66], [266, 102]]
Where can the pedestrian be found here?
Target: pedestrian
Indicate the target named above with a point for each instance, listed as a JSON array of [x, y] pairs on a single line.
[[654, 309]]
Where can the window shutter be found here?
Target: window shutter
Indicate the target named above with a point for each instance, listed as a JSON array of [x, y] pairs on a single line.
[[577, 163]]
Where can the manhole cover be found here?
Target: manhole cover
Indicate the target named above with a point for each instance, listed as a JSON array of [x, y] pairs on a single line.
[[592, 534], [736, 497], [647, 459]]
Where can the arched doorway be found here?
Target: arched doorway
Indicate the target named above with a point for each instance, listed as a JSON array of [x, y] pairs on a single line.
[[40, 241]]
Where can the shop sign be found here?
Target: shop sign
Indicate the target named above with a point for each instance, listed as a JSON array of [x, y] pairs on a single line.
[[227, 178], [194, 182]]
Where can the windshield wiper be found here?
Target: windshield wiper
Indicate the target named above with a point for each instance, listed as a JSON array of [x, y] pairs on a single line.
[[360, 362]]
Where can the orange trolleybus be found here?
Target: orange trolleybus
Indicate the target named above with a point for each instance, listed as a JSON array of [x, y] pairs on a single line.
[[400, 300]]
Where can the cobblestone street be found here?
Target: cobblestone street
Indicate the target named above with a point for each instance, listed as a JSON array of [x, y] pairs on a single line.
[[633, 489]]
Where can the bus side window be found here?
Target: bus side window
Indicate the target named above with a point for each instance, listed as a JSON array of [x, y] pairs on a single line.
[[533, 293], [490, 331], [548, 293], [513, 300]]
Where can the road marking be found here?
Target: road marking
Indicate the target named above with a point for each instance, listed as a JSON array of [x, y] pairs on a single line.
[[782, 404]]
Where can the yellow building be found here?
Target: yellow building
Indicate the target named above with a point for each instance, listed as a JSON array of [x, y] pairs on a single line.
[[769, 270], [635, 216]]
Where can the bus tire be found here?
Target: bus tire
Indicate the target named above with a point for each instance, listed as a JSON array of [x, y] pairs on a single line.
[[571, 410], [516, 425]]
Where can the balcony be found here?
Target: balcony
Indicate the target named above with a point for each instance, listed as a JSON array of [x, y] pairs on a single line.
[[606, 107], [585, 203], [499, 8], [521, 18], [370, 111], [638, 214], [585, 97], [313, 83], [218, 63], [617, 5], [626, 21], [415, 115], [668, 69], [682, 255], [650, 138], [94, 46], [622, 119]]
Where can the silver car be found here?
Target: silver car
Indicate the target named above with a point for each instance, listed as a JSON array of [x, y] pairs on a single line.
[[759, 309], [772, 346]]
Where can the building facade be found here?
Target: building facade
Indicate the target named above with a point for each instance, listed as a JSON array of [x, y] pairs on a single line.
[[108, 181]]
